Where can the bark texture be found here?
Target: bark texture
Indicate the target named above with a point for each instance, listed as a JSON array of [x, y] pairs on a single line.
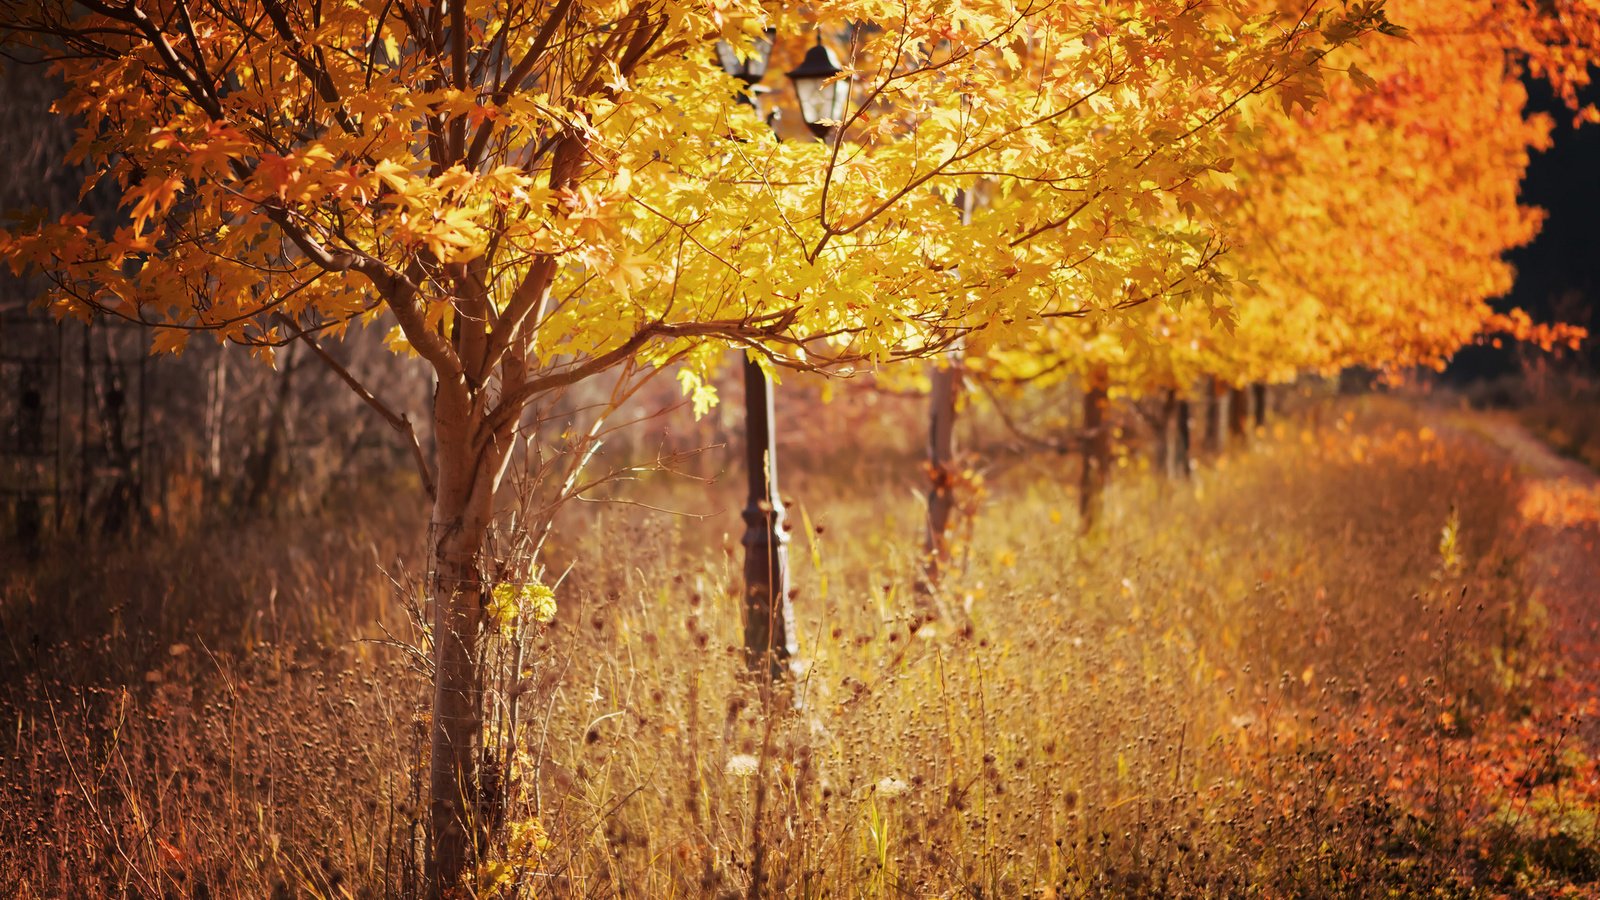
[[1238, 414], [1215, 413], [1175, 436], [462, 512], [457, 719]]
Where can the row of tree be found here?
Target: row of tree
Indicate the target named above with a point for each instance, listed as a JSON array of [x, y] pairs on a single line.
[[532, 195], [1368, 233]]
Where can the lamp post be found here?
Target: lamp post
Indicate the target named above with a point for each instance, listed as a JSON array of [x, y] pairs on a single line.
[[769, 633], [822, 94]]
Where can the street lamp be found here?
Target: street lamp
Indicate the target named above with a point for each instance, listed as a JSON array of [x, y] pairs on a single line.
[[822, 102], [769, 632]]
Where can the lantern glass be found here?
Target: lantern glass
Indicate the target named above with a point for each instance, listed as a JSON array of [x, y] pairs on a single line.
[[823, 95], [822, 104]]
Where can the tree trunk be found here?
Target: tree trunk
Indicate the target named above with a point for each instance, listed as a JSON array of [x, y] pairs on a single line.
[[30, 441], [85, 415], [462, 511], [1260, 391], [216, 419], [117, 505], [1096, 448], [942, 396], [1238, 413], [1216, 431], [1175, 436]]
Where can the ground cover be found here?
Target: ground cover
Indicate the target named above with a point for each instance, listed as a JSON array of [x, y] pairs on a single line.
[[1354, 658]]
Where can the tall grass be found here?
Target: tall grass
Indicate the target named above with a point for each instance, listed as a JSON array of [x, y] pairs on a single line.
[[1301, 675]]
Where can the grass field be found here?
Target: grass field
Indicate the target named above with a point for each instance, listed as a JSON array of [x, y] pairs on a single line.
[[1337, 663], [1570, 425]]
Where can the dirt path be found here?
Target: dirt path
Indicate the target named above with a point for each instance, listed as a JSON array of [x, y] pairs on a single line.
[[1561, 511]]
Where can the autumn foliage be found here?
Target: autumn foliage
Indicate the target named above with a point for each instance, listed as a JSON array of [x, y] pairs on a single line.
[[527, 198]]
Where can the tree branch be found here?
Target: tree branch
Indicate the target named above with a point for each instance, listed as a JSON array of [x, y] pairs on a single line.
[[510, 404], [398, 421]]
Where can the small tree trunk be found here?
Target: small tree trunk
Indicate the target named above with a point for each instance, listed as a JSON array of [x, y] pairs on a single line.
[[452, 777], [30, 440], [216, 418], [942, 396], [1238, 414], [1216, 401], [1096, 448], [1260, 391], [1175, 435], [117, 505], [1185, 439], [85, 415], [462, 511]]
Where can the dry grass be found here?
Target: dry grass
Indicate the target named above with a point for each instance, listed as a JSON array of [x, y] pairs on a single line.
[[191, 718], [1281, 681], [1570, 424]]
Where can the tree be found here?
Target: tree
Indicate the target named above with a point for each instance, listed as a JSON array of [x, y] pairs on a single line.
[[1366, 228], [493, 181], [533, 194], [1114, 204], [1375, 226]]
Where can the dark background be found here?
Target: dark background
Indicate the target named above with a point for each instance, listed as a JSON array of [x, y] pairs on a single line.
[[1558, 273]]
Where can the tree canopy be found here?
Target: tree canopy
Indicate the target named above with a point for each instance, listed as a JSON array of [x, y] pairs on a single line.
[[530, 194]]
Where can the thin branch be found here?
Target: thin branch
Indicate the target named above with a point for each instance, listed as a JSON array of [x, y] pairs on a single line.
[[1014, 428], [398, 421]]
